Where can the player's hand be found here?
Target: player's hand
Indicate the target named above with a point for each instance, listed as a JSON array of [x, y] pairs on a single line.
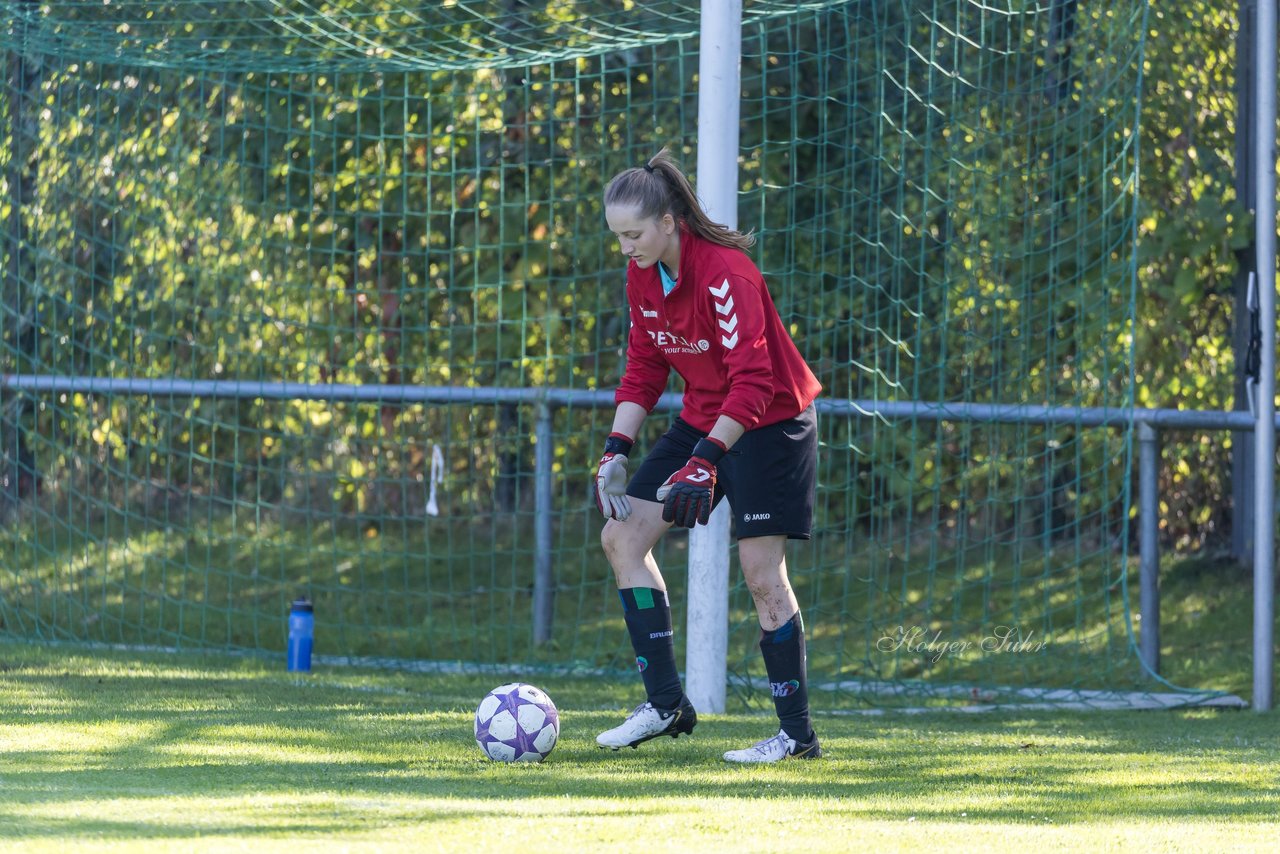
[[686, 496], [610, 485]]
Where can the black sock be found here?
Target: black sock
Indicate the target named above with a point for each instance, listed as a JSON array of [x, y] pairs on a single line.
[[648, 619], [784, 661]]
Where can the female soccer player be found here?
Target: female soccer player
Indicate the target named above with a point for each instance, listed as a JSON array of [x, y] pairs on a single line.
[[747, 432]]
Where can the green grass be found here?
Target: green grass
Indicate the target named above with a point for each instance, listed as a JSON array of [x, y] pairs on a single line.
[[109, 750], [1206, 623], [104, 750]]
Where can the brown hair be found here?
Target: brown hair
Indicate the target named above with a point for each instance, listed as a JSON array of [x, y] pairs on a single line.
[[659, 187]]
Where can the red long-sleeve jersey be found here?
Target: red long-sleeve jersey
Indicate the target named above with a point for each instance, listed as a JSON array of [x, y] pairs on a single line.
[[721, 333]]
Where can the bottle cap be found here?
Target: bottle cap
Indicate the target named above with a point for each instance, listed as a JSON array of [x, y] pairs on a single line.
[[303, 604]]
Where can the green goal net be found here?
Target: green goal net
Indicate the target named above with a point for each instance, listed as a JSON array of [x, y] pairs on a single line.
[[317, 298]]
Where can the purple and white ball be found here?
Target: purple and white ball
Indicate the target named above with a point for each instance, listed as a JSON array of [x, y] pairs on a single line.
[[517, 723]]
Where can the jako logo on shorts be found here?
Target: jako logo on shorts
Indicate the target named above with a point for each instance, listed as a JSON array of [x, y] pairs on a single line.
[[784, 689], [642, 663]]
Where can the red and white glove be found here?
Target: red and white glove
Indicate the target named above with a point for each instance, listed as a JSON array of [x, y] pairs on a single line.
[[610, 485], [687, 495]]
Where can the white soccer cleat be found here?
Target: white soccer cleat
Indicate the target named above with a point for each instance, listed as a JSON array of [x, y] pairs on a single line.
[[646, 722], [776, 749]]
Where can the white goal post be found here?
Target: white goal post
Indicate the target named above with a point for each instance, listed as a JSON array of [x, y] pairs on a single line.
[[719, 91]]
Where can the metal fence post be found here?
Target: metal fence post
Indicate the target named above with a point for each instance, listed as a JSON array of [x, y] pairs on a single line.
[[544, 583], [1149, 543], [1264, 437]]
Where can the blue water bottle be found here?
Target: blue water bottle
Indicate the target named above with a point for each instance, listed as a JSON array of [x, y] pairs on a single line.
[[302, 624]]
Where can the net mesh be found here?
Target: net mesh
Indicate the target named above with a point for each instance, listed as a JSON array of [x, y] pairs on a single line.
[[390, 195]]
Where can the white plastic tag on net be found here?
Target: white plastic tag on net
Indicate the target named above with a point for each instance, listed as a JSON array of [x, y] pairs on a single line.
[[437, 477]]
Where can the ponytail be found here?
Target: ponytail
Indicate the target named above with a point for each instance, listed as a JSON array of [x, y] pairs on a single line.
[[659, 187]]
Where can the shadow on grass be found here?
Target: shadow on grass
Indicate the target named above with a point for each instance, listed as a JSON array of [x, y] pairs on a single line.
[[449, 592], [84, 739]]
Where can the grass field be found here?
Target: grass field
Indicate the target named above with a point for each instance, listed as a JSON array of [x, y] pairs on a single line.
[[104, 750], [115, 750]]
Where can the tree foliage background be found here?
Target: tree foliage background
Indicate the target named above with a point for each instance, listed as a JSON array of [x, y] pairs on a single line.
[[1192, 226], [387, 207]]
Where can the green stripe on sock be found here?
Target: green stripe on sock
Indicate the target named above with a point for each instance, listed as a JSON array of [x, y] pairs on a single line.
[[644, 597]]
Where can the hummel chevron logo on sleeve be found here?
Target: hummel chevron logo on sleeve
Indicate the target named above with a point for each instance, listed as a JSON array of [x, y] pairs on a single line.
[[728, 320]]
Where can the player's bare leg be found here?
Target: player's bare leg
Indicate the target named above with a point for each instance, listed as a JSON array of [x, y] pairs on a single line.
[[629, 547], [764, 566]]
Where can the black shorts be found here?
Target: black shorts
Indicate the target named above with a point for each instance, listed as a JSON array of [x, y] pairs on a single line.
[[768, 475]]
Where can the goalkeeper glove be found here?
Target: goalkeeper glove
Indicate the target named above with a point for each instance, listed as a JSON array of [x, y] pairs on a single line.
[[610, 486], [687, 495]]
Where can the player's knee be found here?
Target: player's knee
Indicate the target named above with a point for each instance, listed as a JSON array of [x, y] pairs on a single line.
[[763, 582], [762, 572], [615, 539], [609, 537], [759, 564]]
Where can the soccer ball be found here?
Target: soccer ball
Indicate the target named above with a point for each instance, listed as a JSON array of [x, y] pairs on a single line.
[[517, 723]]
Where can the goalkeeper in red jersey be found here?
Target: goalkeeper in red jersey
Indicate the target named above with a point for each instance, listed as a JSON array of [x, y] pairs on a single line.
[[747, 432]]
